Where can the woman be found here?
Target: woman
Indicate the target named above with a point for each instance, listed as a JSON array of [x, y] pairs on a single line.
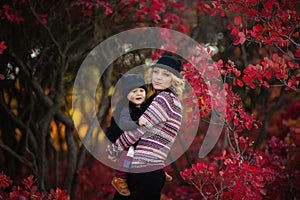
[[162, 121]]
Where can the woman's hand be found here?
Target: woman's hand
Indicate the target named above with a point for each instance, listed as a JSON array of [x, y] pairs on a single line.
[[142, 121], [112, 151]]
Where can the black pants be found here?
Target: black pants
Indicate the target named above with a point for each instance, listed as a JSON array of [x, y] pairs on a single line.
[[144, 186]]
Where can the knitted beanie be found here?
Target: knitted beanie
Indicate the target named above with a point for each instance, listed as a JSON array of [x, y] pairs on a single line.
[[171, 64], [130, 81]]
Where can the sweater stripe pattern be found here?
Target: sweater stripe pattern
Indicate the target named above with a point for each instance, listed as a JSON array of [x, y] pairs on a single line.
[[163, 116]]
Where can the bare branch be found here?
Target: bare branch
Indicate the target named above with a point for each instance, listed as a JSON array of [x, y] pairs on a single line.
[[263, 132], [61, 53], [21, 159]]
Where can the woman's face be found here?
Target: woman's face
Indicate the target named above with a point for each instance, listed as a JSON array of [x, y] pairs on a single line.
[[161, 78]]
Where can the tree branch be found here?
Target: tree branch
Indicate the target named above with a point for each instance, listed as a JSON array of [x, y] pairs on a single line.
[[48, 30], [18, 157], [263, 132]]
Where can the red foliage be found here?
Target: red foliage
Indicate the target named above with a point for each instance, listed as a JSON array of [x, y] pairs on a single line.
[[250, 175], [93, 182], [90, 5], [195, 70], [240, 172], [274, 24], [5, 181], [28, 190], [156, 10], [2, 47], [11, 14]]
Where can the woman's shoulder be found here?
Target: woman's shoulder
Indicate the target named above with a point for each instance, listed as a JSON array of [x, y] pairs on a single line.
[[169, 94], [168, 97], [169, 101]]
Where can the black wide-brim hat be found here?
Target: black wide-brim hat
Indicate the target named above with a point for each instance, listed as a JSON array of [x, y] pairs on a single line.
[[171, 64]]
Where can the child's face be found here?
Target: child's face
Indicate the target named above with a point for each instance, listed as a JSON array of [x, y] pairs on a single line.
[[161, 78], [137, 96]]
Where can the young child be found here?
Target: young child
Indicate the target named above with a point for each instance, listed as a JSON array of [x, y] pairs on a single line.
[[125, 117]]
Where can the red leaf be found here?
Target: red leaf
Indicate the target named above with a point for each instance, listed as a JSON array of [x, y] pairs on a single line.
[[29, 181], [297, 53], [290, 64], [281, 42], [252, 13], [229, 118], [268, 75], [275, 56], [263, 191], [296, 34], [240, 39], [266, 84], [246, 79], [252, 85], [234, 31], [236, 121], [257, 28], [268, 6], [238, 20], [230, 26], [108, 11], [2, 47], [43, 17], [240, 83], [5, 181]]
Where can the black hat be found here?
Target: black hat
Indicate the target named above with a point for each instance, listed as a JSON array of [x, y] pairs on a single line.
[[171, 64], [130, 81]]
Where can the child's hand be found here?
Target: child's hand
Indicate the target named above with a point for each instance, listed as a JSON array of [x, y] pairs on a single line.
[[112, 151], [142, 121]]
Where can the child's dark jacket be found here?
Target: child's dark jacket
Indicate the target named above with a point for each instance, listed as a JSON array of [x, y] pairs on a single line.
[[124, 118]]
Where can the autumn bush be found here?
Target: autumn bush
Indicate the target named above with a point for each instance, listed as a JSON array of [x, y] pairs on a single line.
[[27, 190]]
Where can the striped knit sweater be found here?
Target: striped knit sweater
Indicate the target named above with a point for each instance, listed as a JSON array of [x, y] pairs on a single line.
[[163, 117]]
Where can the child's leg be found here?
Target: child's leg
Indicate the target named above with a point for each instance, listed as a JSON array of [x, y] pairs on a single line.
[[121, 174], [119, 181]]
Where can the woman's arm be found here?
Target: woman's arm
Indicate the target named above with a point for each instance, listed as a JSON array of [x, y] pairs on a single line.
[[158, 112]]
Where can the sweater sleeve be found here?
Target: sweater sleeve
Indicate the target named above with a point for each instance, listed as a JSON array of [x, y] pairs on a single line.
[[156, 113], [125, 122]]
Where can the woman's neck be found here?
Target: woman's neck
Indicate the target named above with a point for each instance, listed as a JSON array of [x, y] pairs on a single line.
[[158, 91]]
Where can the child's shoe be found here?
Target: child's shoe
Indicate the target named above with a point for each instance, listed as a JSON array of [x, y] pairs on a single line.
[[121, 186], [169, 178]]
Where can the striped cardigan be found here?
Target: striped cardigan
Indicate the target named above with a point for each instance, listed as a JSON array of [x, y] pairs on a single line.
[[163, 117]]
